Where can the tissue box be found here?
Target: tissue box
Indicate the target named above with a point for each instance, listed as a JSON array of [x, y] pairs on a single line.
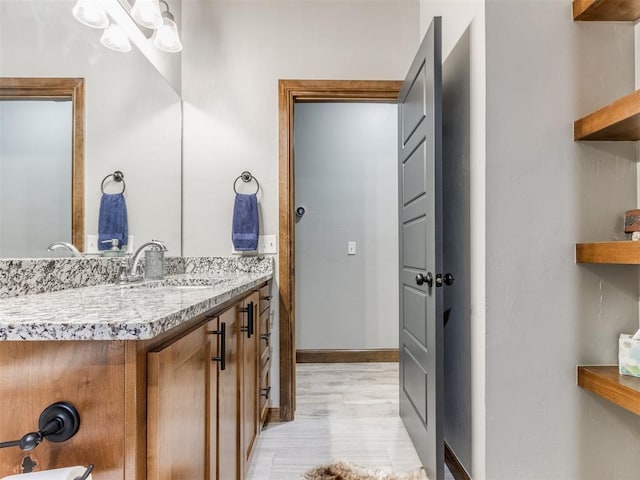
[[629, 355]]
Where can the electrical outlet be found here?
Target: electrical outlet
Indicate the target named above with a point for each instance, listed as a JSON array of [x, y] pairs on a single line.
[[92, 244]]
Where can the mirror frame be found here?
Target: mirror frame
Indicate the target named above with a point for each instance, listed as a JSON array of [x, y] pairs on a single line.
[[65, 88]]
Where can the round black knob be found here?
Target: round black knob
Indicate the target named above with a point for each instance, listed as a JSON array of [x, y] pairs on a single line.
[[421, 279], [300, 211], [448, 279]]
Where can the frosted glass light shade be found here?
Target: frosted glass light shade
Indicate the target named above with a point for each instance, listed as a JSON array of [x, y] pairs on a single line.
[[91, 13], [115, 38], [147, 13], [166, 36]]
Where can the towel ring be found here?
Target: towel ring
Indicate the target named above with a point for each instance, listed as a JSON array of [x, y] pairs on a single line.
[[246, 177], [118, 176]]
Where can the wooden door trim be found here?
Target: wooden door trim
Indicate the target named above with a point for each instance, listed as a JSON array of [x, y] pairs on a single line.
[[289, 92], [73, 89]]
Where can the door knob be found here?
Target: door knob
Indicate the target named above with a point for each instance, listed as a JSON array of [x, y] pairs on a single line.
[[428, 279], [447, 279]]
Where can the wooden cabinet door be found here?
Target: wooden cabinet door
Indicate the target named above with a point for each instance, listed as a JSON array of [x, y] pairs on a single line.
[[228, 440], [177, 403], [248, 315]]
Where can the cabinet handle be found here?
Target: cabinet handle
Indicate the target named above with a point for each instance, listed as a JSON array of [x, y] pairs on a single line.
[[267, 298], [265, 392], [249, 311], [223, 345]]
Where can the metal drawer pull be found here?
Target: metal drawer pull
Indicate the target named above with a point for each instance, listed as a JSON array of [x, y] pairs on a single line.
[[265, 392], [223, 345], [249, 311], [267, 298]]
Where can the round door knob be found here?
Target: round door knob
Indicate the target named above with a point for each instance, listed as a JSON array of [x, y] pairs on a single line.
[[421, 279], [448, 279]]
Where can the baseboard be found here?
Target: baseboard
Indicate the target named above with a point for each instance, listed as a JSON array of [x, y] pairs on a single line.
[[347, 356], [273, 415], [455, 467]]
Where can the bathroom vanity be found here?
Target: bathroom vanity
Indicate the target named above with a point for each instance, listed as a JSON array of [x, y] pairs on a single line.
[[170, 378]]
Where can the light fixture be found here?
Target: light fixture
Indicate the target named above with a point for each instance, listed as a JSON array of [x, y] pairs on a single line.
[[90, 13], [166, 37], [147, 13], [115, 38]]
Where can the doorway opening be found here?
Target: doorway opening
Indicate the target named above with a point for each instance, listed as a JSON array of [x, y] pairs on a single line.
[[291, 92]]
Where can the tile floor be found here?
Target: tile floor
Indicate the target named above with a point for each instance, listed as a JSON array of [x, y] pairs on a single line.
[[344, 412]]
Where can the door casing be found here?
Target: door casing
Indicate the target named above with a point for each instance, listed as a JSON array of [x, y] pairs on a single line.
[[290, 92]]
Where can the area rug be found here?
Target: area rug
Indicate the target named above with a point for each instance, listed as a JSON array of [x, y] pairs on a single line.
[[349, 471]]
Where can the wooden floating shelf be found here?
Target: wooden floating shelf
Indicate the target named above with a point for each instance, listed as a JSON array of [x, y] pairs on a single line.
[[606, 10], [619, 252], [619, 121], [605, 381]]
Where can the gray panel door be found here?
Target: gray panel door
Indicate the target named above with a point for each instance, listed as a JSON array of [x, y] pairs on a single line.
[[420, 213]]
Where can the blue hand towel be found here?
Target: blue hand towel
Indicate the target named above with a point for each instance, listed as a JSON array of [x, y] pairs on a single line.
[[113, 220], [244, 232]]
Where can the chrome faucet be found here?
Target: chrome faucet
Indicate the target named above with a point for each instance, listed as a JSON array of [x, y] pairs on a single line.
[[133, 273], [56, 245]]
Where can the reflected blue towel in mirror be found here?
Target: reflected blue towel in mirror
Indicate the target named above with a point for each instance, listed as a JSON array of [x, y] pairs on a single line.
[[245, 228], [112, 222]]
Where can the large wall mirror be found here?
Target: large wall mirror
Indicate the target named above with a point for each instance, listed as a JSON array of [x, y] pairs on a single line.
[[132, 123]]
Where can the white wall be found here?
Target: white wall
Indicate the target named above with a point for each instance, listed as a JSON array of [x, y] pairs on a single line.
[[545, 314], [457, 17], [235, 52], [347, 180], [132, 115]]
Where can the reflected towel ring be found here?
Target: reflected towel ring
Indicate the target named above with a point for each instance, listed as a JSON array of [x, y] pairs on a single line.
[[246, 177], [118, 176]]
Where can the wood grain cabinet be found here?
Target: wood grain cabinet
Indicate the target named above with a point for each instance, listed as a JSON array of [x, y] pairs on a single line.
[[203, 415], [179, 386], [184, 405]]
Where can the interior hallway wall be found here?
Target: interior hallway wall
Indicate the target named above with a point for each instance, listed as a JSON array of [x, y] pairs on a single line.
[[347, 180], [235, 52]]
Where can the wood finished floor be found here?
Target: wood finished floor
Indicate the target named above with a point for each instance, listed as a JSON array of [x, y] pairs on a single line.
[[345, 412]]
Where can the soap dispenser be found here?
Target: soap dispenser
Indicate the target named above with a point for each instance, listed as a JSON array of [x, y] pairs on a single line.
[[114, 251]]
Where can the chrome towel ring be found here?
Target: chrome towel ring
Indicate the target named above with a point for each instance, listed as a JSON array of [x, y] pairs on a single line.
[[118, 176], [246, 177]]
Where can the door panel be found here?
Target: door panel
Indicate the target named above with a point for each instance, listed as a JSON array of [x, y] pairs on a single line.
[[420, 214], [415, 309], [415, 237], [415, 381], [413, 174], [229, 401], [415, 104]]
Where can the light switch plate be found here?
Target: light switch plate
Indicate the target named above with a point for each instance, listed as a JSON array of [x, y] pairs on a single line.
[[267, 244], [351, 248]]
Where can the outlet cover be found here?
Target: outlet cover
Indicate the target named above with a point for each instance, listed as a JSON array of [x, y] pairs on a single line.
[[92, 244]]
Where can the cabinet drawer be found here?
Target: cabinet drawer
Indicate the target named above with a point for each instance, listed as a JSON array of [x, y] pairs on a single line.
[[265, 298]]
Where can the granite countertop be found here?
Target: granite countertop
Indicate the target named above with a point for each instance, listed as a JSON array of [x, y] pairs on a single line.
[[113, 312]]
